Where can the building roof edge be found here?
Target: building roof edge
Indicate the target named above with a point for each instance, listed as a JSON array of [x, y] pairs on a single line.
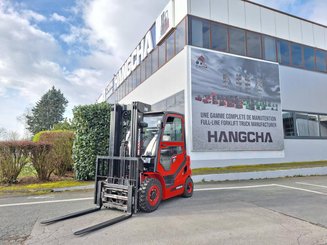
[[285, 13]]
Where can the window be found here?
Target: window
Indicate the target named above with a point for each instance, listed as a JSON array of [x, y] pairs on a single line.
[[180, 36], [170, 46], [237, 41], [148, 68], [133, 76], [269, 48], [283, 50], [219, 36], [154, 60], [122, 95], [173, 130], [304, 125], [123, 86], [142, 70], [321, 60], [128, 85], [307, 124], [253, 44], [118, 94], [200, 33], [323, 125], [297, 55], [166, 155], [288, 123], [138, 76], [309, 58], [162, 54]]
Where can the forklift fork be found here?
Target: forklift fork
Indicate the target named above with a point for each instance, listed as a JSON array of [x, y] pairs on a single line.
[[98, 200], [103, 224], [71, 215]]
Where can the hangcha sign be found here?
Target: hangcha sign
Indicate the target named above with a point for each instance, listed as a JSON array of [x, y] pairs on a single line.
[[139, 54], [164, 23]]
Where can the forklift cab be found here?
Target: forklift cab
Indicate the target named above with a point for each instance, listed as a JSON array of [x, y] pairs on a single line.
[[157, 140], [163, 146]]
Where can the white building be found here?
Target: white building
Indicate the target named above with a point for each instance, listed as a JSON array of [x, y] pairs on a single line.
[[250, 80]]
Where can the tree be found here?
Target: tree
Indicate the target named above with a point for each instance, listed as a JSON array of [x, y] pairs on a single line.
[[48, 111]]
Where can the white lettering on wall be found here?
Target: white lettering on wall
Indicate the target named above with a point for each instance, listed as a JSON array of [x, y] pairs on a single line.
[[138, 55]]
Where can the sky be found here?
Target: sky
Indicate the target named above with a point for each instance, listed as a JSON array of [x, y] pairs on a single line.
[[77, 46]]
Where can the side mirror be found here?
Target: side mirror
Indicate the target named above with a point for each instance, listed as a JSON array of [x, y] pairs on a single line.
[[160, 124]]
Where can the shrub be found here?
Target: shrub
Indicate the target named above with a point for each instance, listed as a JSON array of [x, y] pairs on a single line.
[[91, 123], [39, 154], [36, 137], [60, 155], [65, 125], [13, 156]]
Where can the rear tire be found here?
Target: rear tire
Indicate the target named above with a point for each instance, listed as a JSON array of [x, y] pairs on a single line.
[[188, 187], [150, 195]]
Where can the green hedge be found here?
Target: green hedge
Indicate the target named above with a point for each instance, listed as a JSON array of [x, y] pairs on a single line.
[[91, 123], [36, 137]]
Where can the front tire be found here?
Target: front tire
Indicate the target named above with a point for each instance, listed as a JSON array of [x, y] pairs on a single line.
[[188, 187], [150, 195]]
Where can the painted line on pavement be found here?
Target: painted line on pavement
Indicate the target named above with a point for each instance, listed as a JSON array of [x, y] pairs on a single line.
[[89, 198], [54, 201], [200, 189], [233, 187], [301, 189], [304, 183], [41, 197]]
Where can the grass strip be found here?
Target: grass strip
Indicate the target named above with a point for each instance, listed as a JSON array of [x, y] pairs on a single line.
[[42, 187], [258, 167]]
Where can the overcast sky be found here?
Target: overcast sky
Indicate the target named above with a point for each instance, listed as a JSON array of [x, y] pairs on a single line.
[[77, 46]]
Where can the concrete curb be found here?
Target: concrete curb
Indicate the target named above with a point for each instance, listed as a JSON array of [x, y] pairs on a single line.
[[232, 176], [74, 188], [261, 174]]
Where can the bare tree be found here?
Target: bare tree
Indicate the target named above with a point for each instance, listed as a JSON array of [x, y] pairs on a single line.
[[22, 119], [13, 135], [3, 133]]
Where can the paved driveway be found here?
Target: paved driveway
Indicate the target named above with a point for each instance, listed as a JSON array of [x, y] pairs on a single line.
[[280, 211]]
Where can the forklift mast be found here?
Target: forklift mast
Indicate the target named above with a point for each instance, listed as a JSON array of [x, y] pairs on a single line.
[[117, 175], [125, 129]]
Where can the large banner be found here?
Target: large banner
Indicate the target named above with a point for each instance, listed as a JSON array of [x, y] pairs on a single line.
[[235, 103]]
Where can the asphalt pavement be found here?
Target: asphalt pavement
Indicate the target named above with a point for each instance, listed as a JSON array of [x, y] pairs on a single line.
[[276, 211]]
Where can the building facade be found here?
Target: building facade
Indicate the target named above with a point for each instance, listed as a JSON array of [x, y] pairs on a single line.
[[250, 80]]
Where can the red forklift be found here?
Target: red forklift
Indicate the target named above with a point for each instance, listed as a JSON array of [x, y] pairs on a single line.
[[147, 163]]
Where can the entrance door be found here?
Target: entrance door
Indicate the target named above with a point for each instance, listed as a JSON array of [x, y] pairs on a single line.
[[172, 156]]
